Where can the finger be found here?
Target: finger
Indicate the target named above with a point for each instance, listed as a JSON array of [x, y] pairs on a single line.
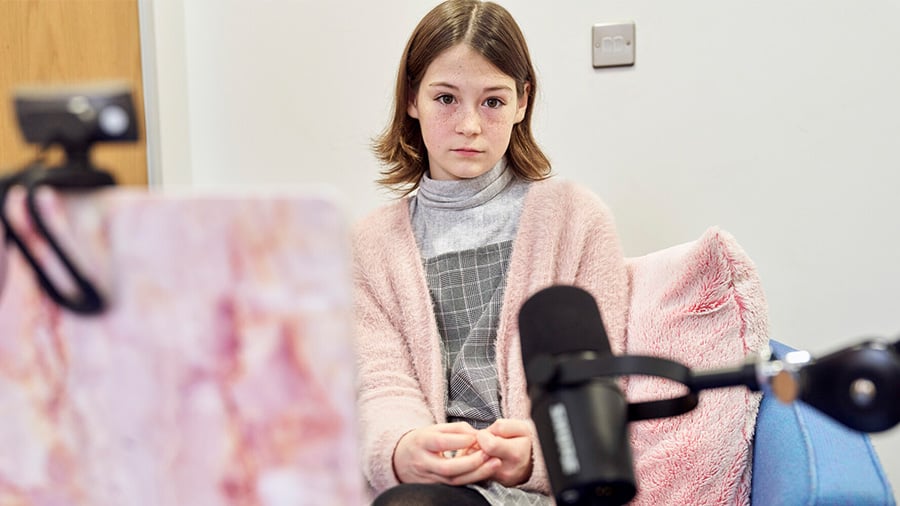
[[467, 469], [458, 466], [441, 442], [483, 472], [491, 444], [468, 450], [507, 427], [455, 427], [503, 448]]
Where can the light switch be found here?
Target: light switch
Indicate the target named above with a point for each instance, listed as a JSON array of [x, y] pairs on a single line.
[[613, 44]]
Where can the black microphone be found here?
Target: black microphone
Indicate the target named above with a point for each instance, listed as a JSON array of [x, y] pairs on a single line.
[[582, 427]]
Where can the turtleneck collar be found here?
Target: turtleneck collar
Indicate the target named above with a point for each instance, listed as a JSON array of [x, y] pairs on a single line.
[[464, 193]]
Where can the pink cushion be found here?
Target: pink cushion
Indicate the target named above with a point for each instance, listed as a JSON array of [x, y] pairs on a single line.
[[700, 303]]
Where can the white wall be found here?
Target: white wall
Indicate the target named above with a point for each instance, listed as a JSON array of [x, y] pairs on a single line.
[[777, 121]]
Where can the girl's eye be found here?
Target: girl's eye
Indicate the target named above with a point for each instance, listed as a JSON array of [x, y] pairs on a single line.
[[445, 99], [493, 103]]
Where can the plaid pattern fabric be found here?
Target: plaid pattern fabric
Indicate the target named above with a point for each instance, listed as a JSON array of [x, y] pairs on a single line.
[[467, 291]]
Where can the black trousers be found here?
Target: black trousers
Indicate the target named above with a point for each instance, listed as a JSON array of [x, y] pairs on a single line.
[[429, 494]]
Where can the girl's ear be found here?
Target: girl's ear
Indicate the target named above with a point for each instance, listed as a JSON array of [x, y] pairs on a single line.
[[523, 102], [412, 107]]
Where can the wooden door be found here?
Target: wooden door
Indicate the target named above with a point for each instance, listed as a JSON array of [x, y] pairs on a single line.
[[66, 42]]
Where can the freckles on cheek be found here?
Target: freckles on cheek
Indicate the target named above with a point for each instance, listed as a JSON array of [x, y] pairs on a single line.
[[434, 131], [498, 119], [498, 129], [439, 124]]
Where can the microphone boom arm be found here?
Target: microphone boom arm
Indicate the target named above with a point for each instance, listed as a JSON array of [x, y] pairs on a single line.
[[856, 386]]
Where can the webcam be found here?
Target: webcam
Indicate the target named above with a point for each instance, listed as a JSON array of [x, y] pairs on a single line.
[[76, 116]]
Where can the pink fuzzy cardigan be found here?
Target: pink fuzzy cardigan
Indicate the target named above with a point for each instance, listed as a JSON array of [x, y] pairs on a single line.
[[566, 236]]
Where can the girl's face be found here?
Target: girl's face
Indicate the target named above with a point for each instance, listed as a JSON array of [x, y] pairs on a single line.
[[466, 109]]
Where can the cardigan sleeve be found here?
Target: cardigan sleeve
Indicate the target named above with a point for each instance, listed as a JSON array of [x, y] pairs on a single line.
[[390, 401]]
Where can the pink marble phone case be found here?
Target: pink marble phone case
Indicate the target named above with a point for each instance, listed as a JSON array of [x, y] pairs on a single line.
[[220, 374]]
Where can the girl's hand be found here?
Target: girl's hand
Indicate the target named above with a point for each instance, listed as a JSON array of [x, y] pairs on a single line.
[[429, 455], [509, 441]]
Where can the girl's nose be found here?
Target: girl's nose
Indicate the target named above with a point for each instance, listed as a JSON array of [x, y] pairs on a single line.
[[469, 122]]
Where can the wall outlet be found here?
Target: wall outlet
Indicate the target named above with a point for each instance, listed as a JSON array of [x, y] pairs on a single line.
[[613, 44]]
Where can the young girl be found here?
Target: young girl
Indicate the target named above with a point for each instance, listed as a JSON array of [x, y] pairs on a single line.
[[441, 274]]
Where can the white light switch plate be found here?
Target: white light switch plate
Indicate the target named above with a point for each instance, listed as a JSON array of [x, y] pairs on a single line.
[[613, 44]]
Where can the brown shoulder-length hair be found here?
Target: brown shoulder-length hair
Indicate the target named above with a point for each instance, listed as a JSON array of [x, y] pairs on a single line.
[[487, 28]]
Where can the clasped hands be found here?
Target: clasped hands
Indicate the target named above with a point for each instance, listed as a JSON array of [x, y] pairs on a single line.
[[458, 454]]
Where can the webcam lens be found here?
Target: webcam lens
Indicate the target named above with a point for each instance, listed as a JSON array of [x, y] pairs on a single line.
[[113, 120]]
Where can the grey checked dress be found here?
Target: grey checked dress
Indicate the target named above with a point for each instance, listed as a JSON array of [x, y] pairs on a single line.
[[465, 231]]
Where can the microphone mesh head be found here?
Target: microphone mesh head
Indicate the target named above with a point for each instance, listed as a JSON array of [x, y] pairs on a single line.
[[561, 320]]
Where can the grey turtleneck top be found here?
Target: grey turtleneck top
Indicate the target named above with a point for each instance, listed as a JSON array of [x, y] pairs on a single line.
[[461, 215]]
